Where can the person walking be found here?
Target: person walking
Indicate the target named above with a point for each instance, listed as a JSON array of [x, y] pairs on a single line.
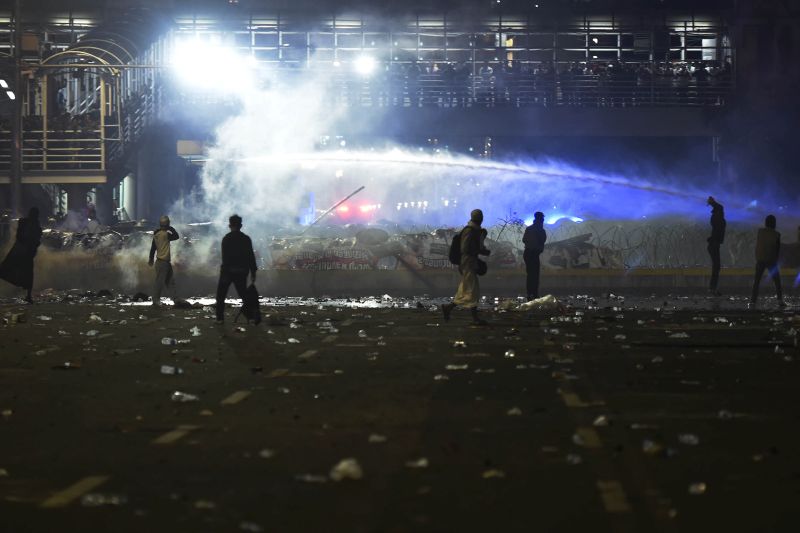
[[768, 247], [533, 239], [714, 241], [17, 267], [468, 292], [161, 257], [238, 259]]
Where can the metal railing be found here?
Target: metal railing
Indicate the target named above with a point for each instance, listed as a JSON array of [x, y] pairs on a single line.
[[528, 90], [61, 150]]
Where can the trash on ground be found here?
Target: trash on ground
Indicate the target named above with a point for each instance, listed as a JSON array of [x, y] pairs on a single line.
[[346, 469], [545, 303], [311, 478], [169, 341], [98, 499], [493, 473], [651, 447], [422, 462], [690, 439], [514, 411], [183, 397], [171, 370], [697, 489], [67, 365], [204, 504], [600, 421], [574, 459]]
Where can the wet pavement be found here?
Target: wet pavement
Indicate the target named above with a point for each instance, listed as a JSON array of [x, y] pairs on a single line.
[[593, 413]]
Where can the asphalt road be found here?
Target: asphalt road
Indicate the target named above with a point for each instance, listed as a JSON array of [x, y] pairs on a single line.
[[651, 414]]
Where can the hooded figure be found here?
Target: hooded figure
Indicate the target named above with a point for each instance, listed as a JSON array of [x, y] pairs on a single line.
[[768, 248], [17, 268], [715, 240], [534, 239], [160, 250], [468, 292]]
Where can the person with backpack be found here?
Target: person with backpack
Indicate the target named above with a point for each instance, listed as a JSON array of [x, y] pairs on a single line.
[[533, 239], [464, 250], [768, 247], [238, 259]]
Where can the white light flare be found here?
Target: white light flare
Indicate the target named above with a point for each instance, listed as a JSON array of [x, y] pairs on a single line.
[[365, 65], [212, 67]]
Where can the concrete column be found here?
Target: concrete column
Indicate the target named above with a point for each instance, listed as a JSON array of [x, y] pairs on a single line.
[[104, 203], [129, 200], [143, 164]]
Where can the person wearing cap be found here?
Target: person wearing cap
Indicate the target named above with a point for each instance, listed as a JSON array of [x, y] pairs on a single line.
[[160, 251], [468, 292], [714, 241], [534, 239]]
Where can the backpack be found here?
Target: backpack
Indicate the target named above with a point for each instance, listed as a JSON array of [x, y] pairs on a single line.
[[455, 249]]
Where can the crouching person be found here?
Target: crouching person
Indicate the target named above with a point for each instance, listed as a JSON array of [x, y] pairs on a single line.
[[238, 259]]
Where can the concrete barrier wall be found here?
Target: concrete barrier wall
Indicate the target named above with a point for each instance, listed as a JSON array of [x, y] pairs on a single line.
[[85, 271]]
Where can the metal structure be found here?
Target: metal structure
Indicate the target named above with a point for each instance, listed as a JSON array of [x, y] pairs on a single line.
[[88, 89]]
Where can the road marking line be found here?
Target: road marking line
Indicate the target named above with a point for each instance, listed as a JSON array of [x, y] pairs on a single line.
[[573, 400], [308, 353], [73, 492], [176, 434], [614, 499], [589, 437], [329, 339], [236, 397], [356, 345]]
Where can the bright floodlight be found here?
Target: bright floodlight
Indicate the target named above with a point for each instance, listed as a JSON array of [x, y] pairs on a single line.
[[365, 65], [212, 67]]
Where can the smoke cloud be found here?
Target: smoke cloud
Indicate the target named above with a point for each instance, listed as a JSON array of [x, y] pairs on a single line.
[[267, 165]]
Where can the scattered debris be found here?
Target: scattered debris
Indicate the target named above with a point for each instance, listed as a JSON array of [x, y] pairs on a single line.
[[346, 469]]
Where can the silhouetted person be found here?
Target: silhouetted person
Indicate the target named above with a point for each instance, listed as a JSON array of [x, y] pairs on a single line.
[[534, 239], [768, 247], [160, 251], [715, 240], [468, 292], [238, 259], [17, 267]]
